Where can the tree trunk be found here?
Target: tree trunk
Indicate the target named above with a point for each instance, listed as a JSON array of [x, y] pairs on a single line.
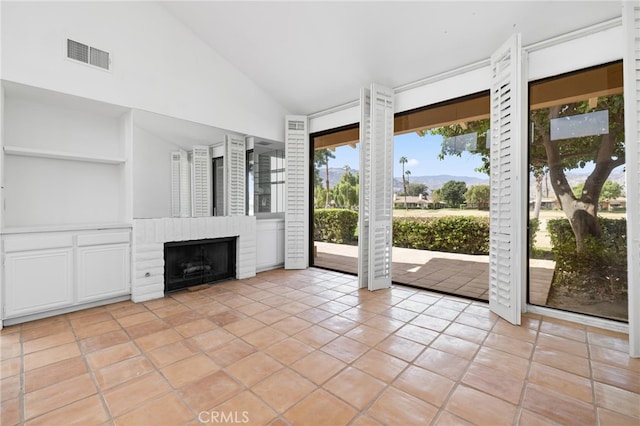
[[538, 200], [582, 212], [326, 164]]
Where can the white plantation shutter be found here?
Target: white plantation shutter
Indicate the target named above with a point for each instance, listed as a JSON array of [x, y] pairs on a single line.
[[201, 181], [296, 217], [508, 174], [364, 179], [175, 184], [381, 188], [631, 23], [235, 167], [180, 184]]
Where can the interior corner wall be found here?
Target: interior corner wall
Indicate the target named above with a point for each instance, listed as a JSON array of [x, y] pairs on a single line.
[[158, 64], [151, 175]]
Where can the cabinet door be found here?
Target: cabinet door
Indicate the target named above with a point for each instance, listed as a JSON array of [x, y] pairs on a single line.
[[38, 281], [103, 271]]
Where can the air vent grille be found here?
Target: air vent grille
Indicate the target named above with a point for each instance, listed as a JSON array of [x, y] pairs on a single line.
[[87, 54], [99, 58], [78, 51], [296, 125]]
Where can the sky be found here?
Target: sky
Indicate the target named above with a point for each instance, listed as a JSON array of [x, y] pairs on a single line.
[[422, 153]]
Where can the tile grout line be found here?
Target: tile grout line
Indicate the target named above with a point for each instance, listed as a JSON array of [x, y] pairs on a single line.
[[520, 406], [466, 370]]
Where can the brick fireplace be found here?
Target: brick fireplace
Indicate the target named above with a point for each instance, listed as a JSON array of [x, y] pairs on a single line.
[[150, 236]]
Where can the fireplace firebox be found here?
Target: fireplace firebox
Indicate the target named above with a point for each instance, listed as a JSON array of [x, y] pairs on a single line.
[[191, 263]]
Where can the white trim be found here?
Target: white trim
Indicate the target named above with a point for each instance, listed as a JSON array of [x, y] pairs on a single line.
[[579, 318], [443, 76], [632, 138], [563, 38], [335, 109], [59, 155]]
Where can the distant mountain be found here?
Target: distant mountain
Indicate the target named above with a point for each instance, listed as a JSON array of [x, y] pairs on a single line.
[[432, 182], [574, 179], [436, 182], [335, 174]]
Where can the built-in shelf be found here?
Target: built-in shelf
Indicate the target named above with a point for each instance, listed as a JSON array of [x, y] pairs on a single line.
[[60, 155], [65, 228]]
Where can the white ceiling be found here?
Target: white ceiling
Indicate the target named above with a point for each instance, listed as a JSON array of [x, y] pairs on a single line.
[[311, 56]]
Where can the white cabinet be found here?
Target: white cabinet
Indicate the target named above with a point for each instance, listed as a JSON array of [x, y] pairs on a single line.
[[102, 266], [38, 281], [48, 271], [269, 244]]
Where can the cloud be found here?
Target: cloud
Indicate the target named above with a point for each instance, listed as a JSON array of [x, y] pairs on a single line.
[[412, 162]]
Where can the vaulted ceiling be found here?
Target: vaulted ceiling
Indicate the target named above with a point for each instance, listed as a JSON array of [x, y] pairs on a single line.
[[311, 56]]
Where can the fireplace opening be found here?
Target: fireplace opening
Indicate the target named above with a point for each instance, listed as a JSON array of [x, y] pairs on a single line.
[[196, 262]]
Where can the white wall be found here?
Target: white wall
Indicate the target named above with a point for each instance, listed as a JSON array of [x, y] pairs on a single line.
[[46, 191], [151, 175], [151, 69]]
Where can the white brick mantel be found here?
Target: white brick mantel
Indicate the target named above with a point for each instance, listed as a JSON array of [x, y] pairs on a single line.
[[149, 236]]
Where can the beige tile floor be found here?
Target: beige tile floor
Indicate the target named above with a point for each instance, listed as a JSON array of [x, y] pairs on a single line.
[[309, 348], [453, 273]]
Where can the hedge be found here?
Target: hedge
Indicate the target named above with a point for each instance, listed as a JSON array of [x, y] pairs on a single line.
[[335, 225], [601, 269], [453, 234]]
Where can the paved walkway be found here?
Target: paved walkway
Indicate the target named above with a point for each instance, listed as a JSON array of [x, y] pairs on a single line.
[[460, 274]]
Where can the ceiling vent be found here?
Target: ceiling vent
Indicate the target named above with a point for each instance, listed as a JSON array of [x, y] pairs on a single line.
[[88, 55]]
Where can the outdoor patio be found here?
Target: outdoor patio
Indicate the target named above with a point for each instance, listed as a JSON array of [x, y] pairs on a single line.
[[459, 274]]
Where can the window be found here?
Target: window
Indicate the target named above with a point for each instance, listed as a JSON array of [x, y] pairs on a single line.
[[577, 204], [265, 178]]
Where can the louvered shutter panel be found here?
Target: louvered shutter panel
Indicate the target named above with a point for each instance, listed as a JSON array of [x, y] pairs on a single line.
[[381, 187], [218, 171], [364, 179], [235, 166], [508, 171], [631, 23], [180, 184], [296, 217], [201, 181], [185, 185], [175, 184]]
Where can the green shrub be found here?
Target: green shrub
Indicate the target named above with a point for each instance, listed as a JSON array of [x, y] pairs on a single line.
[[454, 234], [534, 226], [600, 270], [335, 225]]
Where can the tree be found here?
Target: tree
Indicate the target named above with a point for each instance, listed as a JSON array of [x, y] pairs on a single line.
[[345, 192], [321, 158], [478, 194], [453, 192], [403, 161], [556, 156], [417, 189], [611, 190], [436, 197], [559, 155]]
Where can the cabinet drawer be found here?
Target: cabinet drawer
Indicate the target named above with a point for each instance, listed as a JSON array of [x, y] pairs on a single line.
[[103, 238], [41, 242]]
